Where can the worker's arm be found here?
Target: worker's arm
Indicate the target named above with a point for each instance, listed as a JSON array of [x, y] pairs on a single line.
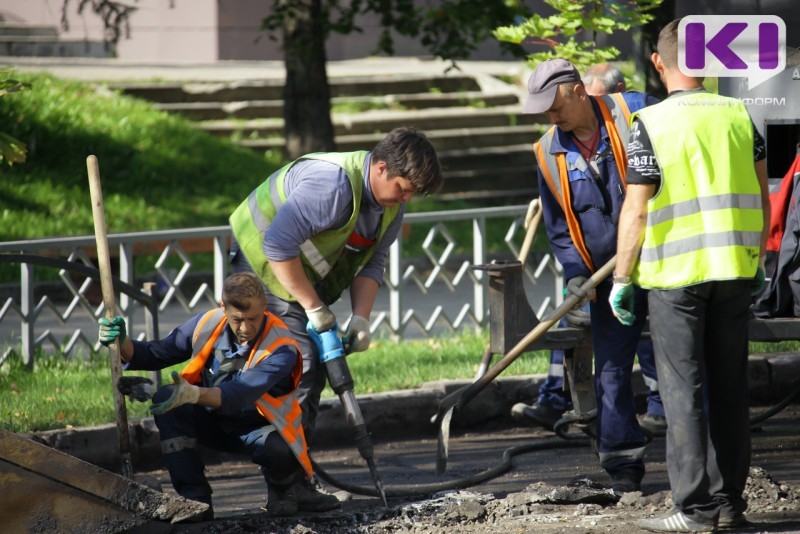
[[363, 291], [632, 220], [293, 278]]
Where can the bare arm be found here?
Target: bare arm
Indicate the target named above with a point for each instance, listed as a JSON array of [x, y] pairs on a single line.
[[761, 173], [293, 278], [632, 220], [363, 291]]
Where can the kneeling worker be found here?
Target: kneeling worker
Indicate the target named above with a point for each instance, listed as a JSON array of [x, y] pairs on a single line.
[[238, 393]]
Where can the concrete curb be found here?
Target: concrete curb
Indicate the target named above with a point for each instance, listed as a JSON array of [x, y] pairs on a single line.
[[399, 413]]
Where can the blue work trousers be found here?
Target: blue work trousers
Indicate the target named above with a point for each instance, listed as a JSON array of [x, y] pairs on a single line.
[[183, 428]]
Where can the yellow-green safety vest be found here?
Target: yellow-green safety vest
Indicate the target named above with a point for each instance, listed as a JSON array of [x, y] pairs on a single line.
[[323, 256], [704, 222]]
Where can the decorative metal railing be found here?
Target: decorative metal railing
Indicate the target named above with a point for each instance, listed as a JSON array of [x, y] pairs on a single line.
[[441, 267]]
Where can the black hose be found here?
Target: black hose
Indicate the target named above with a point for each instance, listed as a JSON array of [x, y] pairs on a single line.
[[413, 490], [754, 420]]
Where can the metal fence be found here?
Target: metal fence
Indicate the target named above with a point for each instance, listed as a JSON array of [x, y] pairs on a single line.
[[428, 292]]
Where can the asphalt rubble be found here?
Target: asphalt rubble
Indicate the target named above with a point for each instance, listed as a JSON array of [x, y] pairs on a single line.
[[551, 485]]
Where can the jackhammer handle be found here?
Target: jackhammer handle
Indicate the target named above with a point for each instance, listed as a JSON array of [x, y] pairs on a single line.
[[465, 394]]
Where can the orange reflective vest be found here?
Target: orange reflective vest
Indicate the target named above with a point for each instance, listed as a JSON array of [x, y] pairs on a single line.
[[282, 412], [617, 120]]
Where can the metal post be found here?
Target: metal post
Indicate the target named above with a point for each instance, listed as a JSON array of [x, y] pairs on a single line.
[[479, 258], [151, 325], [395, 294], [28, 318], [220, 265]]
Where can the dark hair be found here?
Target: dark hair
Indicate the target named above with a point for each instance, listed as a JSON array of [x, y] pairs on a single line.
[[668, 44], [410, 155], [240, 288]]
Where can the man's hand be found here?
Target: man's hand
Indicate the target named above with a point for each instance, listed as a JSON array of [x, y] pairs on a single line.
[[182, 393], [533, 207], [574, 288], [577, 318], [112, 330], [358, 336], [621, 300], [322, 318], [760, 279], [328, 343]]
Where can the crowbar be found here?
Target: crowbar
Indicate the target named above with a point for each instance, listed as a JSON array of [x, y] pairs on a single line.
[[459, 398], [107, 286]]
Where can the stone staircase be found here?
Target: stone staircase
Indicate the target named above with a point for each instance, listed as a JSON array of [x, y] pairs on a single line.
[[474, 121], [44, 41]]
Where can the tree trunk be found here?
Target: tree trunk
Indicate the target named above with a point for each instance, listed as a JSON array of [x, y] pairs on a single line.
[[306, 94]]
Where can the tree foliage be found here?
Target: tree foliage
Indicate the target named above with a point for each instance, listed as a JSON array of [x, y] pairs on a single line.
[[559, 32], [12, 150]]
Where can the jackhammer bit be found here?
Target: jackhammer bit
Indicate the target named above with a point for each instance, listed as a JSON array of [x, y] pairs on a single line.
[[332, 355]]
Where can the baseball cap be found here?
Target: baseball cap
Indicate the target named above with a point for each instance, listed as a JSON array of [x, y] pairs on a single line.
[[543, 83]]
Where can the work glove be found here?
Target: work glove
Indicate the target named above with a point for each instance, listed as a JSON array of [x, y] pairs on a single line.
[[112, 330], [358, 336], [533, 207], [574, 288], [577, 318], [621, 300], [182, 393], [328, 343], [760, 279], [136, 388], [322, 318]]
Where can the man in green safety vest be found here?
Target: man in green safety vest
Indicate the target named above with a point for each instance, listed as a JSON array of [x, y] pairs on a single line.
[[693, 230]]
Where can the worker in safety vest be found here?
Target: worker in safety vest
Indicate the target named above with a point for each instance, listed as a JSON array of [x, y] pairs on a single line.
[[322, 224], [693, 229], [553, 401], [581, 171], [238, 393]]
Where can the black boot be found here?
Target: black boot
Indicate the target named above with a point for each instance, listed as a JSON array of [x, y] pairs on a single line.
[[281, 498], [312, 498]]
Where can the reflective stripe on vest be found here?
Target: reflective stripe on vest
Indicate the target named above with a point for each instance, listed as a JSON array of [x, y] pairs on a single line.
[[616, 118], [283, 412], [319, 253], [705, 221]]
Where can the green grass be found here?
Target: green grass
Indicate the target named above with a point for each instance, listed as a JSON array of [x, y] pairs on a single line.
[[77, 391]]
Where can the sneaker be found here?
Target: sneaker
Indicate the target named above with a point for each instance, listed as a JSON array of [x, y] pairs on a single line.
[[626, 482], [312, 498], [676, 521], [281, 500], [656, 425], [537, 413]]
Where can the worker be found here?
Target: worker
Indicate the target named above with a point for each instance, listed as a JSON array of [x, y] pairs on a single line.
[[238, 393], [324, 223], [581, 171], [693, 230], [552, 401]]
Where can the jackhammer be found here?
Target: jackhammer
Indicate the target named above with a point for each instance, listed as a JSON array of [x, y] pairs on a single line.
[[332, 354]]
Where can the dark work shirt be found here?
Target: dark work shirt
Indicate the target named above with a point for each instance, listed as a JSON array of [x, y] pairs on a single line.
[[643, 165]]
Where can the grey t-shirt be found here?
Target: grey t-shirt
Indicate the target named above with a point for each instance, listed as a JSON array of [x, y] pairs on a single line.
[[319, 198]]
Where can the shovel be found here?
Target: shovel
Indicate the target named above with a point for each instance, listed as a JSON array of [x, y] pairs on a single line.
[[459, 398]]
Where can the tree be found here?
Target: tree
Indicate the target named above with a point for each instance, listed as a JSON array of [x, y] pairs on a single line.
[[449, 29], [573, 17]]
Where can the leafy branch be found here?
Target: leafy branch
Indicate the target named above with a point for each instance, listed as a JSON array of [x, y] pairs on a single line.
[[12, 150]]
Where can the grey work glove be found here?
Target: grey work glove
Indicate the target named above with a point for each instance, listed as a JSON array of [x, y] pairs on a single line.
[[322, 318], [136, 388], [574, 288], [182, 393], [358, 335], [578, 318], [111, 330]]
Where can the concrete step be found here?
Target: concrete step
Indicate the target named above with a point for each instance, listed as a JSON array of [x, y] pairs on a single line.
[[259, 90], [477, 158], [451, 139], [502, 181], [24, 30], [383, 121], [46, 46], [266, 109]]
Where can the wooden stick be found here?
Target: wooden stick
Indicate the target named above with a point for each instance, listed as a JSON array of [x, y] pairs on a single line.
[[107, 285]]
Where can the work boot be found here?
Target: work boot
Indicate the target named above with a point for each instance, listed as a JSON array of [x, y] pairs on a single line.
[[626, 481], [536, 413], [312, 498], [281, 497], [655, 425]]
